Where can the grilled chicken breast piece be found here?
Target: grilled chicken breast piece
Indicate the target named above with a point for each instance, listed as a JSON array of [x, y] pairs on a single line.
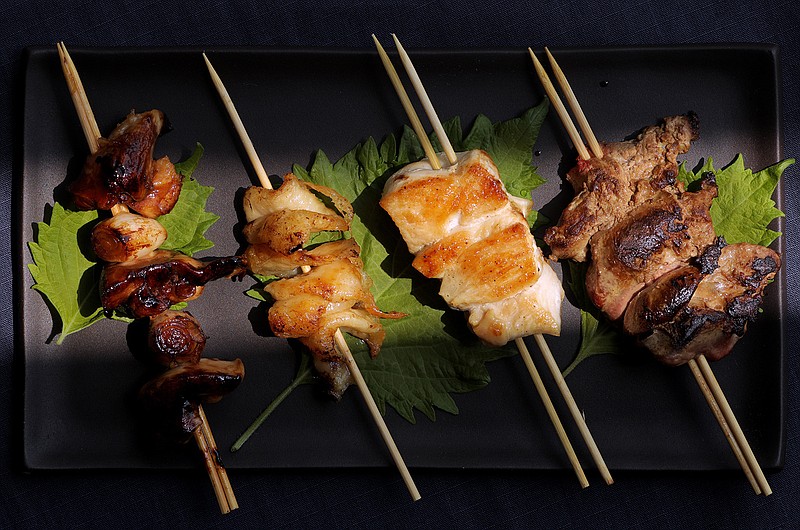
[[465, 228]]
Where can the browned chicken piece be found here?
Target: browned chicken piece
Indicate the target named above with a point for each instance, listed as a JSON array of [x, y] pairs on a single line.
[[281, 221], [263, 259], [629, 174], [163, 190], [175, 337], [122, 171], [334, 294], [171, 399], [149, 286], [704, 308], [654, 238], [466, 229], [126, 237], [312, 306]]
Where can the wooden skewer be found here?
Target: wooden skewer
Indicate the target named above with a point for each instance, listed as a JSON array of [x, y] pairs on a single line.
[[703, 374], [525, 354], [220, 469], [341, 344], [406, 102], [575, 106], [730, 417], [726, 430], [203, 435], [559, 106]]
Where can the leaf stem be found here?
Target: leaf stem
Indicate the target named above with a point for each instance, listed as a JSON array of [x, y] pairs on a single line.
[[304, 376]]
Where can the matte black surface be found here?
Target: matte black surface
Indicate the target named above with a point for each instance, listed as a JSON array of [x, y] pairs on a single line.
[[78, 405]]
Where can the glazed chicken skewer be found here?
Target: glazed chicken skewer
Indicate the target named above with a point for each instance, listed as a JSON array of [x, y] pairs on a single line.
[[203, 435], [700, 368], [452, 159], [340, 343]]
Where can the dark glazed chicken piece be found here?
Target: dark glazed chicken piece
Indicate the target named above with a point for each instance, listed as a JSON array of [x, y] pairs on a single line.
[[651, 240], [171, 399], [629, 174], [149, 286], [123, 171], [174, 338], [704, 308]]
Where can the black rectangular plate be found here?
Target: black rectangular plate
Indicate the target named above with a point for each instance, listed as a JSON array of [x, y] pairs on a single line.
[[78, 410]]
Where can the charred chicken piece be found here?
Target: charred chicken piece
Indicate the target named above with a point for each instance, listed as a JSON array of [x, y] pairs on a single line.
[[171, 399], [175, 338], [334, 294], [704, 308], [150, 286], [655, 237], [629, 174], [127, 237], [466, 229], [123, 171]]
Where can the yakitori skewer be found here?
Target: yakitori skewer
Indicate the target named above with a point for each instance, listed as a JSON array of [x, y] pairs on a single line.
[[700, 368], [451, 157], [434, 161], [341, 344], [203, 435]]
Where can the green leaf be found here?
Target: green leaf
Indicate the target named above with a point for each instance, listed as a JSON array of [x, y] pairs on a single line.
[[598, 335], [744, 208], [63, 273], [188, 221], [187, 167], [431, 353]]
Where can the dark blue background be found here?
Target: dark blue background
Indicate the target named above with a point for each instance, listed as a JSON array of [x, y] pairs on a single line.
[[377, 498]]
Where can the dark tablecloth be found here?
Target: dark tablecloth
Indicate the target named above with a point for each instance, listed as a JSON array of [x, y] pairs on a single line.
[[377, 498]]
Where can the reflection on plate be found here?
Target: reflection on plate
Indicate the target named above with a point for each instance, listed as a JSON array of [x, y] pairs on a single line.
[[78, 402]]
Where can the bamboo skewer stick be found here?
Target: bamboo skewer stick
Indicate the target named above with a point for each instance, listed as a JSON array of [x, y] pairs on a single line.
[[761, 479], [559, 106], [419, 130], [525, 354], [551, 412], [341, 343], [701, 370], [221, 471], [726, 430], [583, 123], [203, 435]]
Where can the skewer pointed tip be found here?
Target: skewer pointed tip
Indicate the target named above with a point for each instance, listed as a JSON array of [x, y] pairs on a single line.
[[208, 64]]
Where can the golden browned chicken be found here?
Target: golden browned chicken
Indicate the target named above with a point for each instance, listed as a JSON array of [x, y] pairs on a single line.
[[466, 229], [334, 294]]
